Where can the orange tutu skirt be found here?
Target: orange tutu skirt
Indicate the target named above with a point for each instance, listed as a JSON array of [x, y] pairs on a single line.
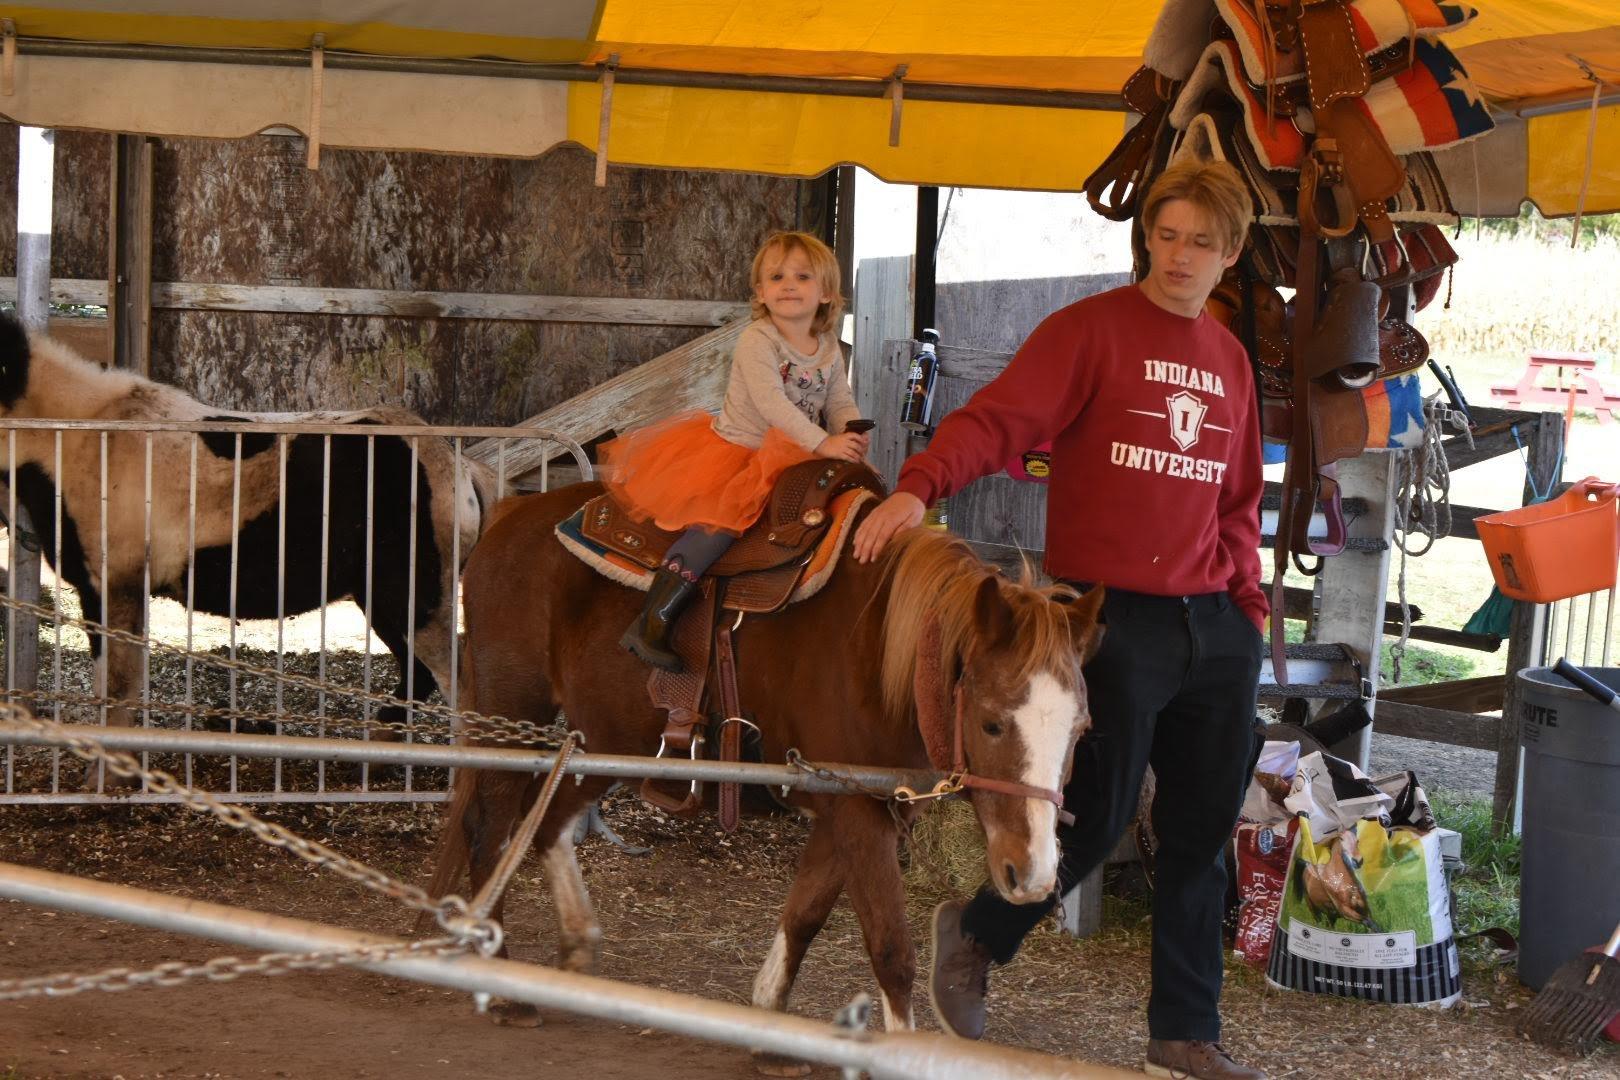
[[678, 473]]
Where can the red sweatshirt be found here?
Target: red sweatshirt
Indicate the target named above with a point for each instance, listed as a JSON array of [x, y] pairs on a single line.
[[1156, 476]]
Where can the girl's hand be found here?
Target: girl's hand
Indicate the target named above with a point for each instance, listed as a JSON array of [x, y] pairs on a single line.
[[845, 447]]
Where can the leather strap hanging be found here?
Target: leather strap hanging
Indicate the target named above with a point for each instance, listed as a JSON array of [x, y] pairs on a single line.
[[680, 694], [731, 720]]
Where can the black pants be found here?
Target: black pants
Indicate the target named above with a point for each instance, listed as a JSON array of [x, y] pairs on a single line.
[[1174, 685]]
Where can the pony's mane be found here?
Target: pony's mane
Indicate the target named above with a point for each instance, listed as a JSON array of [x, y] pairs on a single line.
[[933, 575]]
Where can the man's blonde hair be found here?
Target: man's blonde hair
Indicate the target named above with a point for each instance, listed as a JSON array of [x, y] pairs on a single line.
[[1212, 186], [823, 263]]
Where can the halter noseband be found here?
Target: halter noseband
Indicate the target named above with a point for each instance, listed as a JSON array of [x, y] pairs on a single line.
[[960, 779]]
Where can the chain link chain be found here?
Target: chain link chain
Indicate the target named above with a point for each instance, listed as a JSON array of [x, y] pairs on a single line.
[[498, 729], [450, 912], [832, 776], [223, 969]]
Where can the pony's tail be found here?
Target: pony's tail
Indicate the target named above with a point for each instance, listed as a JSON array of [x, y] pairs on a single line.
[[450, 859]]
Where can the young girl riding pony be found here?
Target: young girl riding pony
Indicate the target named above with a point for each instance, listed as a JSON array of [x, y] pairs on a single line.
[[787, 400]]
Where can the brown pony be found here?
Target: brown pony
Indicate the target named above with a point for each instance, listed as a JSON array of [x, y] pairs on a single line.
[[834, 675]]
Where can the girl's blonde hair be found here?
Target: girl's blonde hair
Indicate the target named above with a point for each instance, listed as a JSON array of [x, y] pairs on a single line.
[[823, 263]]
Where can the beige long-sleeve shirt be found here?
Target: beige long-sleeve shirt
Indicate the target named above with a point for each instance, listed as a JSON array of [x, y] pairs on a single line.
[[774, 385]]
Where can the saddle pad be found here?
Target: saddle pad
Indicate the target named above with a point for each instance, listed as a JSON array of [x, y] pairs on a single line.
[[1422, 200], [1394, 417], [1378, 24], [1182, 29], [1431, 105], [823, 560]]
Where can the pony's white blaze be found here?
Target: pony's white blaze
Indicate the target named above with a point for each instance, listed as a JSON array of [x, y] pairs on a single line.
[[1044, 722]]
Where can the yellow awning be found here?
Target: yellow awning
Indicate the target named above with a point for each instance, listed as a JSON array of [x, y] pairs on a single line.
[[81, 64]]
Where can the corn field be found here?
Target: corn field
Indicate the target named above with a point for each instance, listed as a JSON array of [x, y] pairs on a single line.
[[1513, 296]]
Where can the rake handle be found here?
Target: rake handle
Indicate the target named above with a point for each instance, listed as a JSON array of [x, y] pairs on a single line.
[[1585, 682]]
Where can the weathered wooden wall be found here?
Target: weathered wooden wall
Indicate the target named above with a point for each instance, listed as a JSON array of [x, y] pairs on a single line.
[[1001, 314], [980, 323], [78, 211], [249, 213]]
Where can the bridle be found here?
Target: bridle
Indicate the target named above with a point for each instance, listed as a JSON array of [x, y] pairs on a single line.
[[931, 724]]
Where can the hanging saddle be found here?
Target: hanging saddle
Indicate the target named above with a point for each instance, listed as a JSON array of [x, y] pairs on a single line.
[[1327, 109]]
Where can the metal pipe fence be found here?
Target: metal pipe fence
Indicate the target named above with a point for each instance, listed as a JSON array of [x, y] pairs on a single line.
[[801, 775], [885, 1056], [128, 486]]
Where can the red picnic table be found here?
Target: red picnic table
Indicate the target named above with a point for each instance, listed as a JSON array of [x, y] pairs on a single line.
[[1582, 382]]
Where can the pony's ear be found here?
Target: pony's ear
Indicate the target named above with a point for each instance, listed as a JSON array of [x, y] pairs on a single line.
[[1083, 624], [992, 615], [14, 355]]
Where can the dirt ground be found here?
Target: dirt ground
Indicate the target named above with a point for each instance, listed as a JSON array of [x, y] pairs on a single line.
[[696, 915]]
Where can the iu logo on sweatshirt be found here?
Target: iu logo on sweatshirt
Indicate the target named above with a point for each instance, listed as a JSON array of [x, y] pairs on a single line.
[[1186, 418]]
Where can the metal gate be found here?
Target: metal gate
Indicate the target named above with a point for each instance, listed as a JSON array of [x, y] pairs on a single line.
[[316, 673]]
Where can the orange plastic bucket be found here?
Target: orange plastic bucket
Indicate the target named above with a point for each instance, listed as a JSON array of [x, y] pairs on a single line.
[[1557, 549]]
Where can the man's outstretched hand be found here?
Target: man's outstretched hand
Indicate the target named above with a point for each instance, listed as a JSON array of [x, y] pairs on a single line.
[[899, 511]]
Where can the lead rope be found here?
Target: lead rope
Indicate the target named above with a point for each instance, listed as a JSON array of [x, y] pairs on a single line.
[[1423, 507]]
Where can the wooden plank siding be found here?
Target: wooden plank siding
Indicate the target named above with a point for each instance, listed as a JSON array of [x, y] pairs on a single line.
[[472, 290], [692, 376], [882, 313], [403, 304]]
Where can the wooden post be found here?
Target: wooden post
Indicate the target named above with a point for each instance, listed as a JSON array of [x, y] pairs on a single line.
[[843, 226], [882, 313], [36, 172], [129, 254], [1353, 583], [1527, 641], [891, 443]]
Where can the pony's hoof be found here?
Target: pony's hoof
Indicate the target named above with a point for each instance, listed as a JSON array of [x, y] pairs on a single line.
[[518, 1014], [769, 1064], [581, 953]]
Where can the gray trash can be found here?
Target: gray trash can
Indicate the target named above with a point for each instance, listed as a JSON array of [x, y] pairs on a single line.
[[1570, 883]]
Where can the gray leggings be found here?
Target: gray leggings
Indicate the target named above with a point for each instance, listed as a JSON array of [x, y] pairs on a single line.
[[696, 551]]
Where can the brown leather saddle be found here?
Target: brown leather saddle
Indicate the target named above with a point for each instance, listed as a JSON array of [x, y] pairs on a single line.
[[759, 574], [765, 565]]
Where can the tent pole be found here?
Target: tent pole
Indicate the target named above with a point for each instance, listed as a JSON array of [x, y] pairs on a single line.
[[927, 258]]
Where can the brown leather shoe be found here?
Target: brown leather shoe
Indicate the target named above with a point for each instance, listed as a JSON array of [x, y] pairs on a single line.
[[960, 978], [1190, 1059]]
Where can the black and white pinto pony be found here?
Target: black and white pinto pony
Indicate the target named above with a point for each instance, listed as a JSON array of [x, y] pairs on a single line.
[[43, 379]]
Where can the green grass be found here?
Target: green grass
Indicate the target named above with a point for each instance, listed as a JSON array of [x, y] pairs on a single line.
[[1423, 664], [1487, 889]]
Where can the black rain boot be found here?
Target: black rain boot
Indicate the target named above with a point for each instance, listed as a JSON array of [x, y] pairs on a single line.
[[648, 636]]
